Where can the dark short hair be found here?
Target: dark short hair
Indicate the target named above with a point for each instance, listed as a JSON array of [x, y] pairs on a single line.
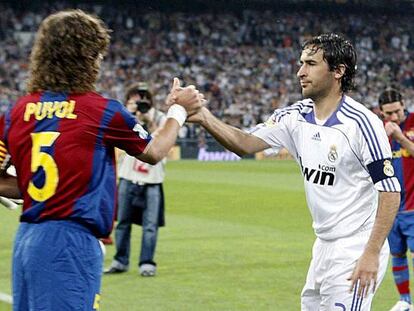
[[389, 95], [138, 88], [336, 51], [65, 55]]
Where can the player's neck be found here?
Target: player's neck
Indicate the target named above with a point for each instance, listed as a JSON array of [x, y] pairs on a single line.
[[325, 106]]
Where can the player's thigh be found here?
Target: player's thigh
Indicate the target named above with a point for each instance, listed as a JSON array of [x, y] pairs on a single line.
[[77, 275], [342, 300], [310, 299], [335, 290], [62, 268], [407, 228], [397, 239]]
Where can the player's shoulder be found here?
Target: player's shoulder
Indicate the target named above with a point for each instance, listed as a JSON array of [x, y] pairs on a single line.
[[301, 107], [100, 102], [353, 112]]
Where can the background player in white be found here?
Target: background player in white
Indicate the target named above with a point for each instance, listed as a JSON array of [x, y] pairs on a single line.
[[350, 186]]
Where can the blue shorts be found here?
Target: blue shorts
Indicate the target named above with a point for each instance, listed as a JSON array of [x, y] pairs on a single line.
[[57, 265], [401, 236]]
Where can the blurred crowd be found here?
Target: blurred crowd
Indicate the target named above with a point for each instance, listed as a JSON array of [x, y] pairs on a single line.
[[245, 62]]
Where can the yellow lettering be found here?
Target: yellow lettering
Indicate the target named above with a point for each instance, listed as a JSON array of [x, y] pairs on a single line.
[[30, 109], [71, 108], [44, 108], [61, 113], [405, 153], [41, 110], [38, 112]]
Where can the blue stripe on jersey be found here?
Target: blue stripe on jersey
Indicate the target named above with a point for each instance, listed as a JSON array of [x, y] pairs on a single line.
[[363, 119], [295, 107], [353, 298], [38, 179], [363, 133], [390, 185], [360, 303], [102, 184], [7, 121]]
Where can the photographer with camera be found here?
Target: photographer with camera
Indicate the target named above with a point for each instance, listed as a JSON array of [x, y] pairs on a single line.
[[140, 190]]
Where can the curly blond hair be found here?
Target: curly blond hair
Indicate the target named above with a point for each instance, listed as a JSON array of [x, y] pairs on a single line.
[[67, 52]]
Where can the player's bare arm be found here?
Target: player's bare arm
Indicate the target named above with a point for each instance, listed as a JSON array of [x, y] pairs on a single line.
[[366, 269], [187, 101], [230, 137], [8, 186]]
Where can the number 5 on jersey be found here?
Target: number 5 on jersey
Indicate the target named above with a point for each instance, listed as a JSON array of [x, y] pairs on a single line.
[[41, 159]]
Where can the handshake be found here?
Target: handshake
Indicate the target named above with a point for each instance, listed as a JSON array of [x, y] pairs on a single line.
[[185, 103]]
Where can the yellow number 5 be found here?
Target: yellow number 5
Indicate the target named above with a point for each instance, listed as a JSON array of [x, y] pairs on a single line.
[[45, 160]]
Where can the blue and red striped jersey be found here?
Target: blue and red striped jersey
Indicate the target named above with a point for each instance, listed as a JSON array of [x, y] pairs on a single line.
[[403, 164], [62, 146]]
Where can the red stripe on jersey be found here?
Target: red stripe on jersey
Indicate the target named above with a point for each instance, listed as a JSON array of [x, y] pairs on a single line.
[[20, 144], [404, 287], [408, 166], [399, 268]]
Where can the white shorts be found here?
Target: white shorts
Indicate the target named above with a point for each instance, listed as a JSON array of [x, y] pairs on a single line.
[[327, 287]]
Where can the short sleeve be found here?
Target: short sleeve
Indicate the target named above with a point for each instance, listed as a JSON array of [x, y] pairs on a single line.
[[275, 132], [123, 131], [376, 154]]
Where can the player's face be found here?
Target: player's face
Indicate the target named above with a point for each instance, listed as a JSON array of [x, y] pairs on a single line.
[[314, 75], [393, 112]]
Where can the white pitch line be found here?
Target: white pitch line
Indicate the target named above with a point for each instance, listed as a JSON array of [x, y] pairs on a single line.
[[6, 298]]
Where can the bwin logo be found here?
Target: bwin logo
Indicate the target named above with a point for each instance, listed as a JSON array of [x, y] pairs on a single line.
[[316, 176]]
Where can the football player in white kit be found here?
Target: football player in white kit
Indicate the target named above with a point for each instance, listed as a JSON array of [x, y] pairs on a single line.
[[345, 158]]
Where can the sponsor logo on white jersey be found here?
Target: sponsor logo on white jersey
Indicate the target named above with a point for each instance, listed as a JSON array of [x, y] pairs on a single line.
[[332, 155], [324, 175], [316, 137]]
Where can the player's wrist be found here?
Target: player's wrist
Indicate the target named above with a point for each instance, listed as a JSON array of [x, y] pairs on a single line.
[[178, 113]]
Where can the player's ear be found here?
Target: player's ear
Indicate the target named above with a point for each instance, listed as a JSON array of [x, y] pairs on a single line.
[[339, 71]]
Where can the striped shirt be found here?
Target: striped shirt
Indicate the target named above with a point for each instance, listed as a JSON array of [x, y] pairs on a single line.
[[345, 162]]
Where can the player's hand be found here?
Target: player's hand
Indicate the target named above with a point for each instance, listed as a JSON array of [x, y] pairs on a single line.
[[392, 129], [188, 97], [365, 273], [199, 116]]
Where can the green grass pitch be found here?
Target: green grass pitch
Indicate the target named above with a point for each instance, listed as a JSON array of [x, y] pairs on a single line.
[[238, 237]]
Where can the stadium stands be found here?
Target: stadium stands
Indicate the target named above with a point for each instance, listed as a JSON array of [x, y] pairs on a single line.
[[245, 61]]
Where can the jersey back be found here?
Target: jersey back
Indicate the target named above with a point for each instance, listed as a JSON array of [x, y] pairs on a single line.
[[62, 146]]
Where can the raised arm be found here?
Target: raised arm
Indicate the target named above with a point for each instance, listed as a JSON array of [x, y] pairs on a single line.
[[187, 101], [230, 137]]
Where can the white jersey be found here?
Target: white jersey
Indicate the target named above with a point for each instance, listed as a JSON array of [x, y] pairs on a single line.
[[344, 162]]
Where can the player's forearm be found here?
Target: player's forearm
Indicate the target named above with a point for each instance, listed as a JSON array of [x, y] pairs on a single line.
[[9, 187], [406, 144], [387, 209], [163, 139], [231, 137]]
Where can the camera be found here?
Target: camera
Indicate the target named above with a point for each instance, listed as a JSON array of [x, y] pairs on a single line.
[[143, 105]]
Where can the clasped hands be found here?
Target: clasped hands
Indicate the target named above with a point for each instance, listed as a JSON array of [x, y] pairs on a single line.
[[188, 97]]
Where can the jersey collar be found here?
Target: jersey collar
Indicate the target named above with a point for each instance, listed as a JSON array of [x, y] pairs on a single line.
[[332, 120]]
